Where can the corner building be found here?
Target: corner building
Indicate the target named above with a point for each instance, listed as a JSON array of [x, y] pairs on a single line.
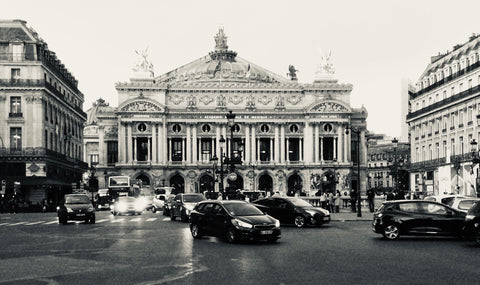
[[443, 122], [166, 129], [41, 119]]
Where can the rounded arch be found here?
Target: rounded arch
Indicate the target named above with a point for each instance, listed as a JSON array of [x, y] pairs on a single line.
[[178, 184], [207, 183], [295, 185], [265, 183], [144, 178]]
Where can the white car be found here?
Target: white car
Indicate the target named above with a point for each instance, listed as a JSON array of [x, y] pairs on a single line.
[[463, 204], [158, 202], [444, 199]]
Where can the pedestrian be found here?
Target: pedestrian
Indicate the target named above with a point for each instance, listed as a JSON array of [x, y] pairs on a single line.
[[323, 200], [371, 199], [337, 202], [331, 205], [353, 199]]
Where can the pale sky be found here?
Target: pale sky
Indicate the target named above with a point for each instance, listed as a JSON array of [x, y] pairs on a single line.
[[374, 44]]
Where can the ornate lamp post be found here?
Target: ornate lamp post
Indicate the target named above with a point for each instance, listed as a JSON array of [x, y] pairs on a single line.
[[395, 178], [357, 131], [221, 171], [475, 160], [233, 159], [214, 160]]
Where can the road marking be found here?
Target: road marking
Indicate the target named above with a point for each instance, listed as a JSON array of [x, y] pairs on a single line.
[[19, 223], [101, 221], [34, 223], [3, 224], [135, 220], [151, 219], [117, 221], [165, 219], [51, 222]]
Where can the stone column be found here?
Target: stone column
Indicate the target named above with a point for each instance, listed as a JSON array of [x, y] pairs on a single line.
[[277, 144], [101, 145], [321, 150], [217, 144], [287, 152], [121, 142], [128, 143], [184, 150], [135, 149], [189, 144], [165, 157], [316, 144], [195, 144], [247, 144], [169, 156], [154, 143], [300, 149], [148, 149], [282, 143], [254, 144], [271, 152], [307, 143], [340, 134]]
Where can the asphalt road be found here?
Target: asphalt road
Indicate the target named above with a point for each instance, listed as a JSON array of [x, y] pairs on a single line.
[[151, 249]]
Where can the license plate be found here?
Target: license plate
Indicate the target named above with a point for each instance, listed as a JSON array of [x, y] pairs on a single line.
[[269, 232], [81, 215]]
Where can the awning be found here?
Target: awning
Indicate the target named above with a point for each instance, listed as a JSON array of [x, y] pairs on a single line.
[[42, 181]]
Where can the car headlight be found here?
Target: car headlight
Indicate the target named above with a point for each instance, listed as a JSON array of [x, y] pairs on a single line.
[[277, 223], [122, 207], [469, 217], [476, 225], [379, 215], [90, 208], [241, 224], [312, 213], [69, 210]]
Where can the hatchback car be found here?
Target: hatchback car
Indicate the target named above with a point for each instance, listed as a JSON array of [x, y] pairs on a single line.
[[292, 210], [76, 207], [416, 217], [463, 204], [127, 205], [471, 229], [158, 202], [183, 204], [234, 220]]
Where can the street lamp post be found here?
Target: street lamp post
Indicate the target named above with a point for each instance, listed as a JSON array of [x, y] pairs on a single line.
[[475, 160], [214, 159], [357, 131], [395, 179], [221, 171]]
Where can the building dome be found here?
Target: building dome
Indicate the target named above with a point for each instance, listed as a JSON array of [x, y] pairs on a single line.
[[222, 65]]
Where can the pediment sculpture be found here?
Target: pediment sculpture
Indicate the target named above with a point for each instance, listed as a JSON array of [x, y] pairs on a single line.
[[141, 106], [329, 107]]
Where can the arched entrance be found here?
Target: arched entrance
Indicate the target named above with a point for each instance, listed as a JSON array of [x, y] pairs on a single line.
[[265, 183], [178, 184], [207, 184], [295, 185], [145, 180]]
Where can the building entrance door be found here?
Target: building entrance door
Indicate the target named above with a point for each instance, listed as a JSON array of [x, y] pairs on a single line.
[[142, 149]]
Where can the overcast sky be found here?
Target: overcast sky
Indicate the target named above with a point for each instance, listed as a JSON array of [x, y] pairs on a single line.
[[374, 44]]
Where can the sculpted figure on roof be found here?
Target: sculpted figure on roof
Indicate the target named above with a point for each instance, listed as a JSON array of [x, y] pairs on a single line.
[[221, 40], [143, 64]]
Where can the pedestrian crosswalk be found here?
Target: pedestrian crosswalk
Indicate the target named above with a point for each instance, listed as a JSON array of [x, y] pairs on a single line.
[[111, 220]]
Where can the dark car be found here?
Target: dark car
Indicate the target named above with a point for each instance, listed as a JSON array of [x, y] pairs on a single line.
[[471, 228], [417, 217], [76, 207], [127, 205], [183, 204], [234, 220], [292, 210], [168, 205]]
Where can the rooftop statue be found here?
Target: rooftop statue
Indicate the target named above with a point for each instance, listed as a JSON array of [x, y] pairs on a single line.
[[292, 72], [221, 40], [143, 64], [326, 66]]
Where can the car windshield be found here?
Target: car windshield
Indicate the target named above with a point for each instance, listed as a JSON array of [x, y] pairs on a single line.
[[80, 199], [299, 202], [193, 198], [242, 209]]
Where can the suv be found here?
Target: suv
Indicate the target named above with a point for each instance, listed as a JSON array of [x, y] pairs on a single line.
[[417, 217], [471, 230], [76, 207], [183, 204]]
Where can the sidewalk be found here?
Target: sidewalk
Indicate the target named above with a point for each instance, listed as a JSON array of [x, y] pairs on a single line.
[[346, 214]]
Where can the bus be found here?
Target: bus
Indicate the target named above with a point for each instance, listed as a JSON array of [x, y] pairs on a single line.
[[119, 186]]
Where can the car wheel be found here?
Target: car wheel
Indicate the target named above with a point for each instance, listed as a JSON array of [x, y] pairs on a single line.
[[154, 210], [231, 236], [299, 221], [477, 237], [172, 216], [391, 232], [195, 229], [62, 220]]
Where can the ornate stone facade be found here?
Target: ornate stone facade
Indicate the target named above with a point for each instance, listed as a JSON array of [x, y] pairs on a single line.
[[284, 131]]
